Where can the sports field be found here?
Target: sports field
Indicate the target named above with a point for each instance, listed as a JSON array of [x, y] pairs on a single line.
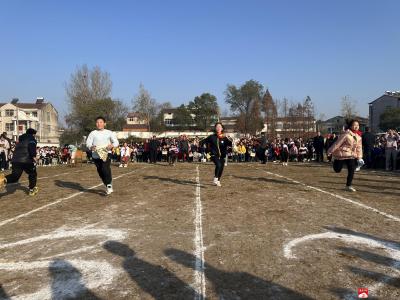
[[270, 232]]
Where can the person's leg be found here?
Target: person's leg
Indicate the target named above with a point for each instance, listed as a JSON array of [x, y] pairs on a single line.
[[106, 170], [351, 167], [30, 169], [3, 161], [221, 169], [337, 165], [99, 167], [217, 163], [15, 174], [388, 158]]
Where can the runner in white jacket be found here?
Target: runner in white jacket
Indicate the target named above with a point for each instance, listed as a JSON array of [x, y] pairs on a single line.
[[101, 141]]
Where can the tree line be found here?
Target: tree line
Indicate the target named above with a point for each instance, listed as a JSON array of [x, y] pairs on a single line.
[[89, 95]]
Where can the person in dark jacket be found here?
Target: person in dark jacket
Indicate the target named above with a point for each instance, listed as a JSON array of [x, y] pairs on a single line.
[[329, 142], [153, 146], [262, 148], [218, 144], [368, 142], [319, 147], [24, 159]]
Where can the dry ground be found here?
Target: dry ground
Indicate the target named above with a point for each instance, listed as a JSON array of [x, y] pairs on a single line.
[[270, 232]]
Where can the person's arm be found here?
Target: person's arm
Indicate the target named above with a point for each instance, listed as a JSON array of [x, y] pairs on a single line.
[[89, 141], [359, 150], [228, 142], [337, 144], [32, 150], [204, 141], [114, 140]]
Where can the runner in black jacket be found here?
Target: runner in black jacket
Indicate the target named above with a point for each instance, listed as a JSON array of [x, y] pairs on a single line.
[[24, 159], [218, 145]]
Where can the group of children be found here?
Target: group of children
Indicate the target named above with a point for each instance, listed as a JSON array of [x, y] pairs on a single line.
[[346, 150]]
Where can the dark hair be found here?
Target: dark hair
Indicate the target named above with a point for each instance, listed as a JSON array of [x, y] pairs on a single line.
[[351, 122], [31, 131], [101, 118], [215, 126]]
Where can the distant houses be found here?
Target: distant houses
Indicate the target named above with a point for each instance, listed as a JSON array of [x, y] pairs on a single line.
[[16, 117], [337, 124], [379, 105]]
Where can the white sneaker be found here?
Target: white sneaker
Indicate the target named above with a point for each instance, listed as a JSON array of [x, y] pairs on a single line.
[[125, 166], [218, 183], [215, 180], [350, 189], [121, 166], [109, 189]]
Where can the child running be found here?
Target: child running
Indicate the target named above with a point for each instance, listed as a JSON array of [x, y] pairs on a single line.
[[218, 145], [347, 150], [101, 141]]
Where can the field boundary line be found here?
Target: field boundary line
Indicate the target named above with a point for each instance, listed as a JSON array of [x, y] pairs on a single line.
[[4, 222], [199, 276], [389, 216]]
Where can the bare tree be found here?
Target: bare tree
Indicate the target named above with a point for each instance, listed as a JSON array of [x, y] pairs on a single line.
[[145, 105], [348, 107], [87, 85]]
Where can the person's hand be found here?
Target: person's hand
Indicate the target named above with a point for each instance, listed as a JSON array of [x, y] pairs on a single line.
[[110, 146]]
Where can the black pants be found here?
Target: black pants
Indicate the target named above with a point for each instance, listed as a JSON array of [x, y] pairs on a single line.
[[351, 167], [3, 161], [368, 157], [219, 166], [285, 156], [320, 155], [153, 156], [18, 168], [104, 170]]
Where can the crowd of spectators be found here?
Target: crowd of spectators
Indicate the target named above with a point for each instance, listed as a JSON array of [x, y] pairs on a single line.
[[380, 151]]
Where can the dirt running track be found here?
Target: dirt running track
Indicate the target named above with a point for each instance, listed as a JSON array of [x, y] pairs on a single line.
[[270, 232]]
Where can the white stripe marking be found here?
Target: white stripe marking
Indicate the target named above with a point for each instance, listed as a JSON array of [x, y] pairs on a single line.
[[56, 202], [389, 216], [199, 277]]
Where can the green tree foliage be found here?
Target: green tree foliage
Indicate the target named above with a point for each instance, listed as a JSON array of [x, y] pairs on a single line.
[[183, 117], [390, 119], [245, 102], [206, 110]]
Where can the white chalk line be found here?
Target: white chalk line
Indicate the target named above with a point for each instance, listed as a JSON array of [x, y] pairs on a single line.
[[69, 283], [199, 276], [78, 274], [389, 216], [62, 234], [2, 223], [391, 248]]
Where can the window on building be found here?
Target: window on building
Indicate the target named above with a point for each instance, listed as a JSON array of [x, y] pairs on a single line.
[[9, 113], [34, 114], [48, 117], [9, 126], [168, 121]]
